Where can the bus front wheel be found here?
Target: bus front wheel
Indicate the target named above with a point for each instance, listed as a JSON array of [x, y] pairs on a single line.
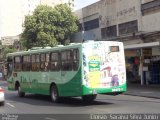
[[54, 94], [89, 98], [20, 93]]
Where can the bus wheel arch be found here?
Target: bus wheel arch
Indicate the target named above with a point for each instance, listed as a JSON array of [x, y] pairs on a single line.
[[54, 93], [18, 88]]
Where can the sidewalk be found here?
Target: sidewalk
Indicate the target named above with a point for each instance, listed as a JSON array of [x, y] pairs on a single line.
[[151, 91]]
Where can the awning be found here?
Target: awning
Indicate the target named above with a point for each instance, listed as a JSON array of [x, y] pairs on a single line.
[[142, 45]]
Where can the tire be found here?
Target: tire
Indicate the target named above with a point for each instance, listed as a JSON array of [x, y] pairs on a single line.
[[20, 93], [54, 94], [89, 98]]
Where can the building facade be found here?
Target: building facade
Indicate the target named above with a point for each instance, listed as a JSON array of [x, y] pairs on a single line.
[[9, 40], [107, 19], [136, 24]]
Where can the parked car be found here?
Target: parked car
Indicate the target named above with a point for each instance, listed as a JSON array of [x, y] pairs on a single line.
[[2, 98]]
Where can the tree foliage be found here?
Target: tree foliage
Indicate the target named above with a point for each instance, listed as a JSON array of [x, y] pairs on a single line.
[[49, 26], [8, 50], [5, 50]]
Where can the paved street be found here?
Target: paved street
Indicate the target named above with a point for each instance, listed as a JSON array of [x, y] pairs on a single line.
[[38, 104]]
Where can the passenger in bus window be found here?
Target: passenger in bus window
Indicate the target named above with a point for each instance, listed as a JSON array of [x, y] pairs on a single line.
[[45, 66]]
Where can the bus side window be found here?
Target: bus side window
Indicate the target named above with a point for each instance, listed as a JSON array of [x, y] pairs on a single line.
[[26, 63], [37, 62], [33, 61], [44, 61], [17, 63], [66, 59], [55, 61], [75, 59]]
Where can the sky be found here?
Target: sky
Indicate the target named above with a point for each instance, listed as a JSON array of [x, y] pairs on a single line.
[[12, 16], [82, 3]]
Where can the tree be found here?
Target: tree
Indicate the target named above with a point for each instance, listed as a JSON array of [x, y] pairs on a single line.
[[4, 50], [49, 26], [8, 50]]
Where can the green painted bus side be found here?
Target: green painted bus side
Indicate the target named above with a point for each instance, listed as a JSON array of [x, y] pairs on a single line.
[[71, 88], [69, 83]]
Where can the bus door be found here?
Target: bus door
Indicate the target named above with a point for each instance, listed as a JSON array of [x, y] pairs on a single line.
[[69, 71], [66, 68], [9, 71]]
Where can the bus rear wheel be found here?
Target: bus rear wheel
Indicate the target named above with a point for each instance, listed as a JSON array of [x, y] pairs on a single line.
[[54, 94], [20, 93], [89, 98]]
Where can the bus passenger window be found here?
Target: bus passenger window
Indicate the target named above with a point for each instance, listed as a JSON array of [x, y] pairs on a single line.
[[75, 59], [55, 62], [66, 57], [26, 63], [17, 63], [35, 62], [44, 62]]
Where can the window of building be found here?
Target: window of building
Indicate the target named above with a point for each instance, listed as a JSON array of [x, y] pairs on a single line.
[[128, 27], [66, 59], [35, 62], [26, 63], [17, 63], [150, 7], [89, 25], [55, 61], [109, 32]]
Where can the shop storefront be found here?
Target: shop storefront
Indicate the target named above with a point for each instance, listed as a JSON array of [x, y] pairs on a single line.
[[143, 63], [153, 67], [132, 58]]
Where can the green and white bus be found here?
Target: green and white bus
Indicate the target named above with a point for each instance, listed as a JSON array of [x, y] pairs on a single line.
[[79, 69]]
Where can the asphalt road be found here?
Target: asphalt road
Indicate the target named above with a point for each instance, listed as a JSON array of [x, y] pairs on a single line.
[[40, 104]]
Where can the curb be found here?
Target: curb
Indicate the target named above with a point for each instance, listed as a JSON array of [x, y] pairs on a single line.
[[142, 95]]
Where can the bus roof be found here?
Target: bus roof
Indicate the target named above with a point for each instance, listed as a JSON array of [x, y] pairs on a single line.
[[45, 49], [58, 47]]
